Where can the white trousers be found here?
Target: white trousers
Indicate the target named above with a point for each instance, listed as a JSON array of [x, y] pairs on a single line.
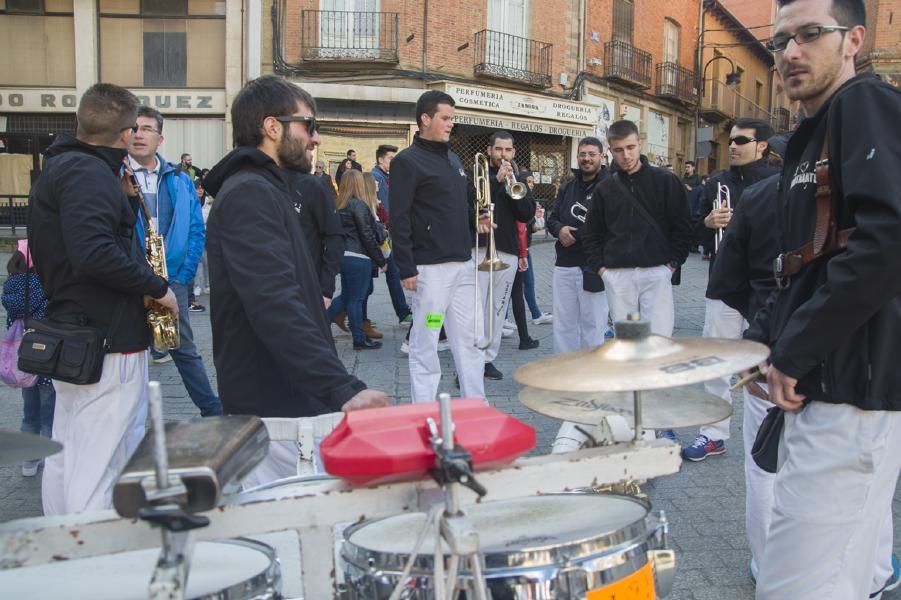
[[503, 286], [720, 321], [647, 291], [758, 483], [100, 426], [580, 317], [832, 495], [445, 294]]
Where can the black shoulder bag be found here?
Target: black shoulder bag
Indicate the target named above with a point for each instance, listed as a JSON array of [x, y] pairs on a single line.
[[64, 351], [676, 279]]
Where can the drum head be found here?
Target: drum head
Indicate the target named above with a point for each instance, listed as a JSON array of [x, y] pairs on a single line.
[[575, 524], [215, 567]]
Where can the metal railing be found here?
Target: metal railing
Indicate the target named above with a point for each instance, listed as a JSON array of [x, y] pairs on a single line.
[[628, 64], [504, 56], [13, 212], [330, 35], [722, 102], [676, 82], [781, 119]]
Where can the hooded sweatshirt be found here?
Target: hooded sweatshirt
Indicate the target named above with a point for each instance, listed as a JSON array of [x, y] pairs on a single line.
[[272, 347]]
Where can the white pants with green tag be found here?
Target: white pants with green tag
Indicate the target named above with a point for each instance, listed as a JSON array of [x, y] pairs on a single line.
[[445, 295]]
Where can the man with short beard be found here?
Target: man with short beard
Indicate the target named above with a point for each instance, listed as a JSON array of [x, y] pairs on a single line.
[[834, 327], [271, 342]]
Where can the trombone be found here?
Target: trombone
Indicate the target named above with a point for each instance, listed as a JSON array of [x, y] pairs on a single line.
[[490, 262], [723, 200]]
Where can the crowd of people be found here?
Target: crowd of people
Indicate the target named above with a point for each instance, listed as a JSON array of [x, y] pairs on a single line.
[[809, 268]]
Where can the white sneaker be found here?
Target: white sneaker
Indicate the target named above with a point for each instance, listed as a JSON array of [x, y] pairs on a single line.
[[162, 360], [508, 324], [29, 470], [443, 345], [206, 290], [405, 347], [543, 318], [507, 332], [197, 290]]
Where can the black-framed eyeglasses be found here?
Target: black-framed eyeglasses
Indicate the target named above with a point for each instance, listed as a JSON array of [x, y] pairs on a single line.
[[805, 35], [741, 140], [308, 119]]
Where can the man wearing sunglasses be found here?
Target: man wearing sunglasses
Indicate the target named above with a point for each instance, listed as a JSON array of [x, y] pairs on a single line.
[[748, 164], [272, 346], [834, 327]]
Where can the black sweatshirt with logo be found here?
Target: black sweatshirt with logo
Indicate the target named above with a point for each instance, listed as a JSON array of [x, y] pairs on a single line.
[[560, 215], [836, 328], [432, 207]]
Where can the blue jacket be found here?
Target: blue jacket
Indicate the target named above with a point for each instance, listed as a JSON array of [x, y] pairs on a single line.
[[381, 184], [186, 235]]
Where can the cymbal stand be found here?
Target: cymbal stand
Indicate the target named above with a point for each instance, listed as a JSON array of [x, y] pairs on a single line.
[[450, 525], [167, 497]]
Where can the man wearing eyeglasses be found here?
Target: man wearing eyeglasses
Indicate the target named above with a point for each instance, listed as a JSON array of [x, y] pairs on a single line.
[[272, 346], [81, 236], [834, 327], [175, 214], [748, 149]]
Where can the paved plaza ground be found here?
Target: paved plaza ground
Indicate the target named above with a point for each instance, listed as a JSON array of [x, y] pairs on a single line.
[[704, 501]]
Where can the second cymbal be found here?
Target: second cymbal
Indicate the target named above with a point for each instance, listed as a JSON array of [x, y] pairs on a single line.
[[16, 447], [660, 409], [645, 363]]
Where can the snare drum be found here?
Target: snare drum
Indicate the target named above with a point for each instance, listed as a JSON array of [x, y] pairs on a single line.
[[567, 546], [229, 570]]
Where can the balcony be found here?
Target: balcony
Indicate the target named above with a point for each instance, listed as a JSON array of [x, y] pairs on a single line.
[[512, 58], [627, 64], [781, 119], [337, 36], [723, 103], [676, 83]]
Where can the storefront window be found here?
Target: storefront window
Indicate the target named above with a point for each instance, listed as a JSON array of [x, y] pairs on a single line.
[[171, 43], [37, 40]]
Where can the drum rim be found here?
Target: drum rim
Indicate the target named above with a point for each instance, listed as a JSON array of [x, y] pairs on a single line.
[[535, 557], [267, 581]]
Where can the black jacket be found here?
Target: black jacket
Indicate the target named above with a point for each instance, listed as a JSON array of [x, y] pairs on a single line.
[[432, 207], [354, 165], [742, 275], [321, 227], [84, 246], [736, 179], [561, 215], [837, 327], [359, 227], [272, 346], [617, 236], [507, 212]]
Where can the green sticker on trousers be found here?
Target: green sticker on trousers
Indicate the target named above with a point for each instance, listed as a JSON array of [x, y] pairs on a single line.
[[434, 320]]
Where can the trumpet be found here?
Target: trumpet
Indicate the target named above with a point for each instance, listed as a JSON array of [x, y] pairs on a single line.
[[723, 200], [515, 189], [578, 211], [491, 262]]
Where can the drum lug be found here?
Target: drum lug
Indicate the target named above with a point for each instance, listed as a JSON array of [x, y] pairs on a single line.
[[563, 574], [664, 563]]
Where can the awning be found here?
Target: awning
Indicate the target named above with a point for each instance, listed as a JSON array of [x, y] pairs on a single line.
[[495, 121]]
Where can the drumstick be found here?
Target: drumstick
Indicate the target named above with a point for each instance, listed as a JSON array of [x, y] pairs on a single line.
[[745, 380]]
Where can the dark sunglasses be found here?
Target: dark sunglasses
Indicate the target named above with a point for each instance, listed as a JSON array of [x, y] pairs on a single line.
[[741, 140], [309, 120]]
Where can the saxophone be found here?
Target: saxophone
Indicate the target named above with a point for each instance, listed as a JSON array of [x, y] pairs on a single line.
[[163, 324]]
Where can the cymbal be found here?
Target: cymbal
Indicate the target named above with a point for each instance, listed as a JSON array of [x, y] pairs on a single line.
[[16, 447], [645, 363], [660, 409]]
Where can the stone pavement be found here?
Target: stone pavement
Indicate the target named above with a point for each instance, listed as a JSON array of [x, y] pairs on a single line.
[[704, 502]]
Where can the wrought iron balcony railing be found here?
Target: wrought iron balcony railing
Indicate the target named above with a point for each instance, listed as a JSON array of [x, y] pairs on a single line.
[[330, 35], [627, 64], [782, 119], [722, 102], [676, 82], [513, 58]]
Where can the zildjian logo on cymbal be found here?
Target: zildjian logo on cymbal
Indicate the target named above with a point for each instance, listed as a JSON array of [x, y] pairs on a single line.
[[591, 405], [694, 363]]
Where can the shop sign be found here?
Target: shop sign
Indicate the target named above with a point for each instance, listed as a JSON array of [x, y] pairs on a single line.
[[542, 127], [66, 100], [513, 103]]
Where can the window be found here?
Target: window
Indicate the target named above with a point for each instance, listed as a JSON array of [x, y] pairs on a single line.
[[623, 18], [349, 24], [25, 7], [671, 34], [509, 17], [171, 43], [43, 46], [758, 94]]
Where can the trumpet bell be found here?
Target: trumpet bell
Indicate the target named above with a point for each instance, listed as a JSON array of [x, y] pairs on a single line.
[[516, 190]]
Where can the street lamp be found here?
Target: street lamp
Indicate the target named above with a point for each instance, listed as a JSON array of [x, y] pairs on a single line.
[[732, 79]]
